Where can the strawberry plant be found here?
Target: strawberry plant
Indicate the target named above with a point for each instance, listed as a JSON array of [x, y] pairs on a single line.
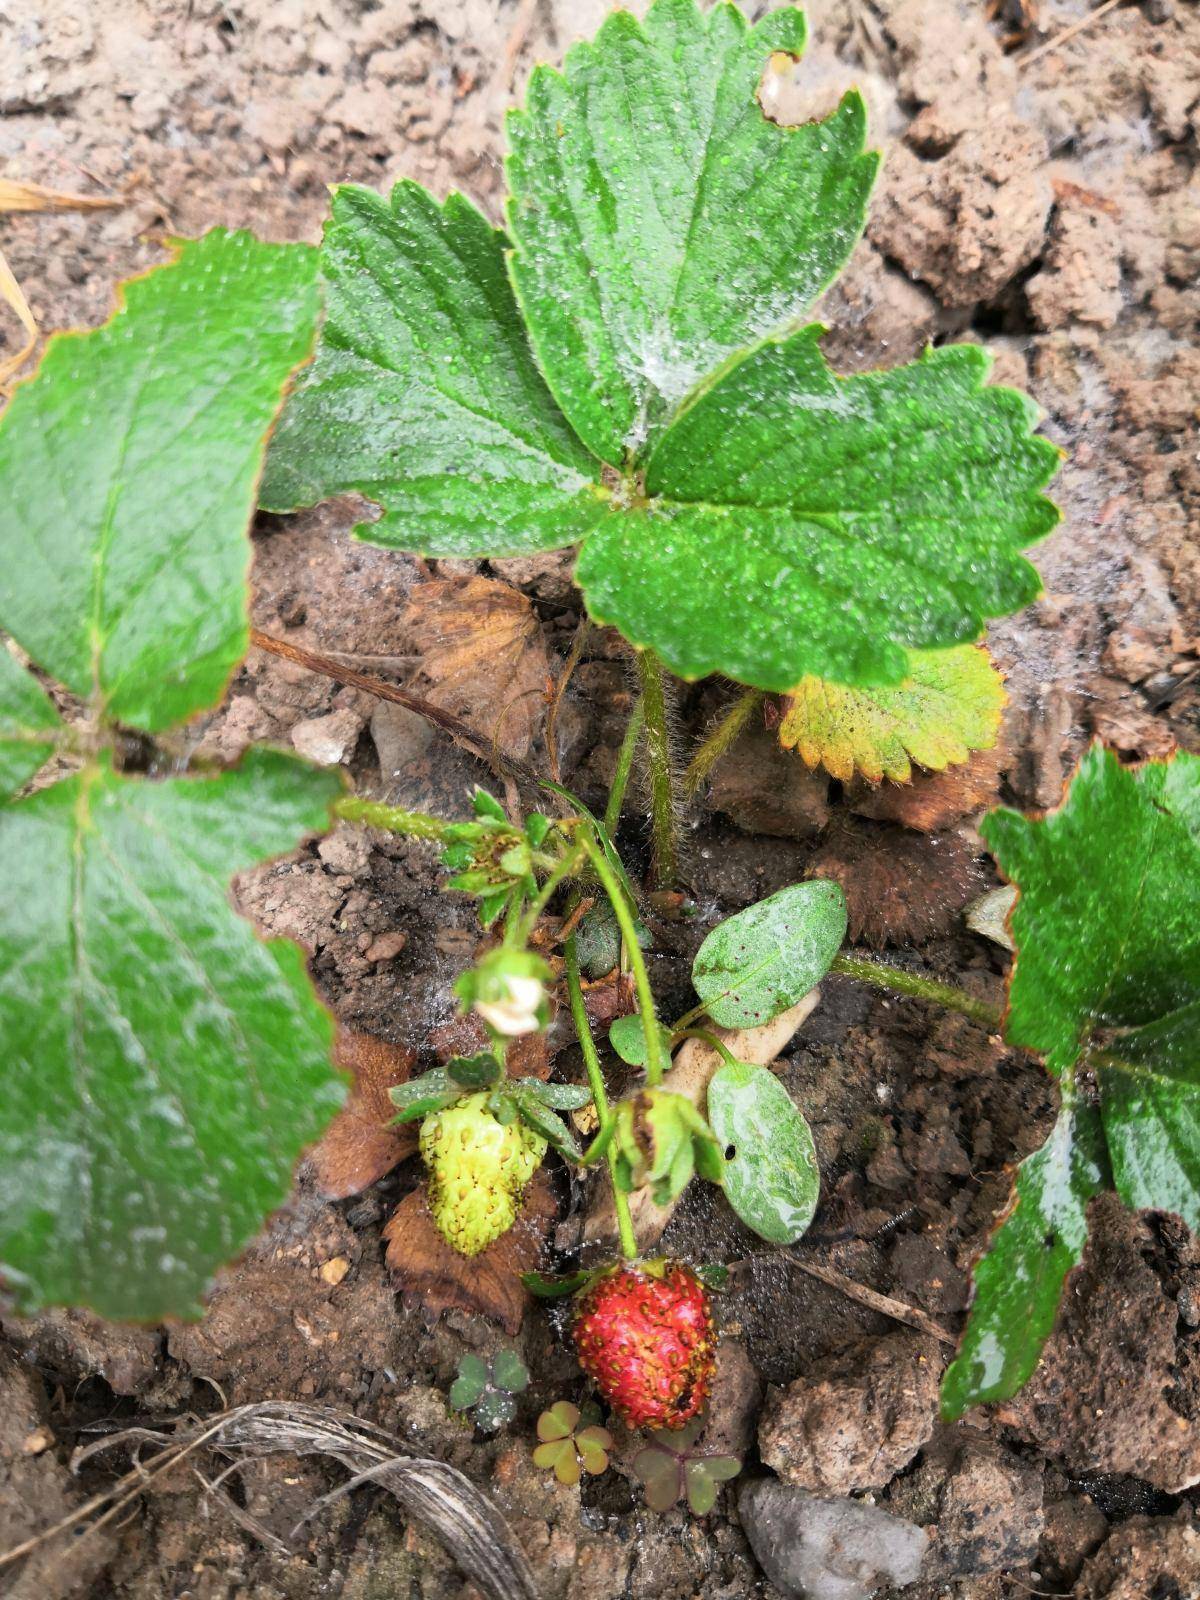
[[624, 368]]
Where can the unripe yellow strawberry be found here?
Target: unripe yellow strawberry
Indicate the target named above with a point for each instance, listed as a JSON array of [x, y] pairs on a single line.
[[478, 1169]]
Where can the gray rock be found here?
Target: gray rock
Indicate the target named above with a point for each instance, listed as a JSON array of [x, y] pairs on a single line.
[[815, 1549]]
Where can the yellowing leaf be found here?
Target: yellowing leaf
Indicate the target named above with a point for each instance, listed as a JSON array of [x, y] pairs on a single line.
[[949, 705]]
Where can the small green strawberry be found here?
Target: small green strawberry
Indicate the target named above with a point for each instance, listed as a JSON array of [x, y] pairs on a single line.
[[478, 1169]]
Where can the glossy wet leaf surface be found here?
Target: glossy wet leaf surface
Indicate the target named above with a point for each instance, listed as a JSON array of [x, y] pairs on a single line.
[[798, 522], [1019, 1281], [164, 1066], [949, 704], [624, 371], [130, 467], [28, 723], [660, 221], [1106, 985], [424, 395], [771, 1179], [754, 965]]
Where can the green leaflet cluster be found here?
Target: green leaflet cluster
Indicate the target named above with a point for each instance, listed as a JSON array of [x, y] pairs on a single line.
[[1106, 985], [625, 369], [163, 1067]]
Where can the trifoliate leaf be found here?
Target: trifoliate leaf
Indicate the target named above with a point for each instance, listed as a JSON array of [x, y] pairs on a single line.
[[163, 1066], [948, 705], [660, 221], [1018, 1282], [771, 1176], [424, 395], [758, 516], [796, 522], [756, 964], [130, 464], [26, 718]]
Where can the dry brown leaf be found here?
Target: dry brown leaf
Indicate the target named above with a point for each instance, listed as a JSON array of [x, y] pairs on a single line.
[[10, 293], [610, 998], [482, 650], [33, 197], [362, 1143], [900, 887], [935, 800], [489, 1284]]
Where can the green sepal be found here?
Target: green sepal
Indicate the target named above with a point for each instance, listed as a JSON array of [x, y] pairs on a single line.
[[472, 1073], [420, 1097]]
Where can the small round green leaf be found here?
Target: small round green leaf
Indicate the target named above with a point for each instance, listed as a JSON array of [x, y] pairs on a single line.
[[754, 965], [771, 1178], [628, 1039]]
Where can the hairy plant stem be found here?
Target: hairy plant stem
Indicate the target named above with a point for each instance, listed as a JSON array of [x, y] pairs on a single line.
[[392, 819], [625, 755], [718, 742], [658, 761], [566, 868], [641, 978], [896, 980], [595, 1076]]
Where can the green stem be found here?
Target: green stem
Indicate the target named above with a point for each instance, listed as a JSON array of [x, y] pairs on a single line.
[[898, 981], [416, 824], [641, 978], [688, 1017], [718, 742], [625, 755], [658, 760], [591, 1062], [713, 1043]]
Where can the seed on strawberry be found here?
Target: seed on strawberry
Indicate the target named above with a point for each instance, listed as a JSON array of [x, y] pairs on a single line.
[[478, 1169], [644, 1335]]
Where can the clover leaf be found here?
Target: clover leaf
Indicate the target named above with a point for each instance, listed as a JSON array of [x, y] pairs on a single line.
[[671, 1470], [571, 1442], [625, 370], [949, 704], [488, 1388], [1106, 985]]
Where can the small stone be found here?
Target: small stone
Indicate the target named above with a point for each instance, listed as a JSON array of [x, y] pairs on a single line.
[[34, 1443], [814, 1549], [386, 947], [856, 1421], [327, 740], [334, 1270]]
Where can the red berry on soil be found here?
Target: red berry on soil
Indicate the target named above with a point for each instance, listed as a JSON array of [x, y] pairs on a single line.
[[646, 1340]]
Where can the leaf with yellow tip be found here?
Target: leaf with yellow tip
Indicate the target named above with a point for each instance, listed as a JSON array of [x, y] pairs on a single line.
[[949, 705]]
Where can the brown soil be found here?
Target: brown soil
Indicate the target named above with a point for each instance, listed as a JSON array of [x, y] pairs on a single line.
[[1047, 206]]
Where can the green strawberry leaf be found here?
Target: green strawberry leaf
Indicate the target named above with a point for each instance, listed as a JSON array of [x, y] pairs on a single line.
[[1018, 1282], [754, 965], [1106, 985], [661, 221], [555, 1287], [797, 522], [28, 725], [130, 466], [771, 1179], [628, 1039], [424, 395], [164, 1067], [949, 704], [1104, 924]]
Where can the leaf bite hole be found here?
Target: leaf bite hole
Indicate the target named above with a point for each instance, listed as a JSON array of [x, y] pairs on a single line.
[[730, 1152]]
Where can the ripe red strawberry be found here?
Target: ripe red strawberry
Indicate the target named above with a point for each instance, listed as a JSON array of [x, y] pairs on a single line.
[[644, 1335]]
